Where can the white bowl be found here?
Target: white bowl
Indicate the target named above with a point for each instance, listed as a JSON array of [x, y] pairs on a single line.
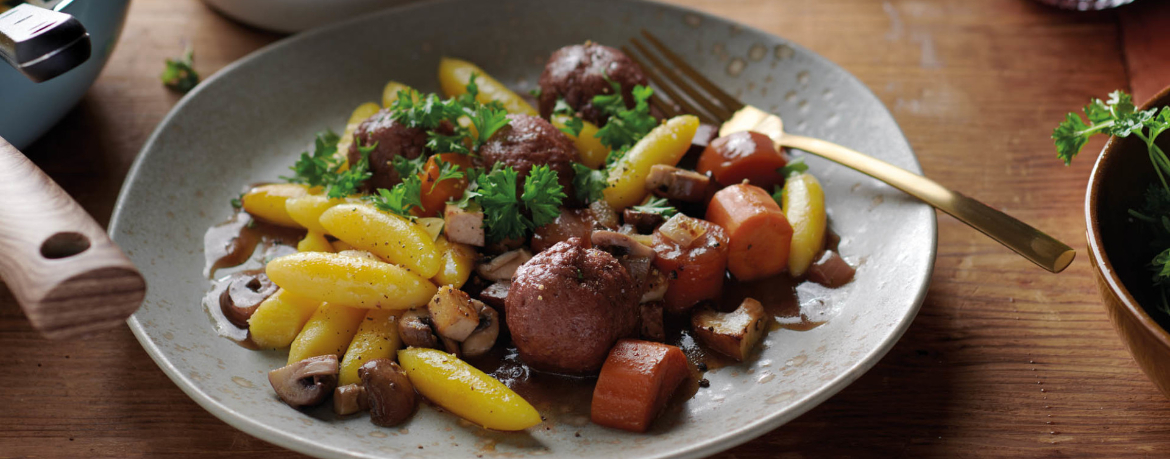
[[291, 16]]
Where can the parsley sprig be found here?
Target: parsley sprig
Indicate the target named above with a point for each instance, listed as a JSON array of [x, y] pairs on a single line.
[[323, 167], [657, 206], [495, 192], [179, 74], [625, 126], [1118, 117]]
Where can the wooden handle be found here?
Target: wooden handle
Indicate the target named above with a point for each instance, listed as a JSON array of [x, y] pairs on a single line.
[[61, 266]]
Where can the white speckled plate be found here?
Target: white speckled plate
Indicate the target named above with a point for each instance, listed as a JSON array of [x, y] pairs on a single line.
[[248, 123]]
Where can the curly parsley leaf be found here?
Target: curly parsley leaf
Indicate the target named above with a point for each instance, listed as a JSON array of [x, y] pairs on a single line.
[[440, 143], [179, 74], [1117, 117], [624, 127], [778, 195], [400, 199], [542, 195], [348, 182], [796, 166], [501, 208], [487, 120], [407, 167], [588, 183], [447, 171], [657, 206]]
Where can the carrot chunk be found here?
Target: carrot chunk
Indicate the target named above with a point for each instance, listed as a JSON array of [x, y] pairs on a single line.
[[743, 156], [758, 232], [635, 383]]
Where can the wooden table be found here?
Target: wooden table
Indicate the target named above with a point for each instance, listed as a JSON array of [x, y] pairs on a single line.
[[1004, 359]]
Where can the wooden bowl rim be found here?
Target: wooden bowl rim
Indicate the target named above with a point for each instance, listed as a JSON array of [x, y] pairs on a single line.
[[1093, 232]]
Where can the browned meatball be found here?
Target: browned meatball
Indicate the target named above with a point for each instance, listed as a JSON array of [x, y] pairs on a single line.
[[568, 305], [529, 141], [577, 73], [394, 139]]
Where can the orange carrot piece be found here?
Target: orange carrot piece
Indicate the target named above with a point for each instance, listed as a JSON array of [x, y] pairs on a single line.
[[759, 234], [743, 156], [434, 196], [635, 383], [695, 272]]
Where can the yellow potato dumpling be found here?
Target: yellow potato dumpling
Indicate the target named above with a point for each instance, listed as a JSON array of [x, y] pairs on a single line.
[[804, 205], [589, 148], [267, 202], [353, 281], [359, 114], [328, 331], [341, 246], [458, 261], [306, 210], [376, 338], [390, 92], [314, 242], [455, 73], [279, 319], [393, 238], [464, 390], [666, 144]]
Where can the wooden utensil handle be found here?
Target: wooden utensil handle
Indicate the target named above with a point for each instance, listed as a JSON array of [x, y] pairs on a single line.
[[61, 266]]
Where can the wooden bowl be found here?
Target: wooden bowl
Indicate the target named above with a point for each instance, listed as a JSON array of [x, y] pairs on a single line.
[[1120, 251]]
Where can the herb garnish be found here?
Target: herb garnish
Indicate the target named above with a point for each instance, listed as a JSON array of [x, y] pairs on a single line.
[[588, 183], [323, 168], [179, 74], [1119, 117], [657, 206], [625, 127]]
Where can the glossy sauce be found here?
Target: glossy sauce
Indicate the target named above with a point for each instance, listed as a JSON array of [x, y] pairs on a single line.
[[234, 243]]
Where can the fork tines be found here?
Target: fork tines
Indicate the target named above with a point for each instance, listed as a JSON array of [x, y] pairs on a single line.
[[688, 90]]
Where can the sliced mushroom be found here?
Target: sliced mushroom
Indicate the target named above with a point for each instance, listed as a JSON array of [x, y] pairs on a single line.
[[389, 393], [503, 266], [676, 183], [452, 313], [653, 328], [463, 226], [415, 329], [307, 382], [451, 346], [731, 333], [245, 291], [350, 399], [480, 341], [619, 245], [643, 222], [636, 257], [654, 288], [495, 295]]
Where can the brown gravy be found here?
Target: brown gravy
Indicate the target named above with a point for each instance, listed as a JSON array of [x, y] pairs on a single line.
[[559, 398]]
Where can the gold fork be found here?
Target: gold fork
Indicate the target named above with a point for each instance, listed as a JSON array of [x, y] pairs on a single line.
[[713, 105]]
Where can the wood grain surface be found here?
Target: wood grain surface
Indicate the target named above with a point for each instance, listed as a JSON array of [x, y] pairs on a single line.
[[1005, 360], [68, 276]]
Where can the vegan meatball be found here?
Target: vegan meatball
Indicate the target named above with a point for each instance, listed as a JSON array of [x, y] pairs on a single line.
[[528, 141], [576, 73], [568, 305], [393, 139]]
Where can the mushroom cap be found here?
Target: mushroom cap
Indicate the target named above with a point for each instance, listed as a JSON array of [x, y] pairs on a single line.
[[246, 290], [389, 393], [307, 382]]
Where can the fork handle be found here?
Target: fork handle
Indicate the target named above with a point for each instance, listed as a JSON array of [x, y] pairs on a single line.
[[1025, 240]]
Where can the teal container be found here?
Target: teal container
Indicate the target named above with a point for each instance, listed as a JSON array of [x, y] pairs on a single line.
[[28, 109]]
